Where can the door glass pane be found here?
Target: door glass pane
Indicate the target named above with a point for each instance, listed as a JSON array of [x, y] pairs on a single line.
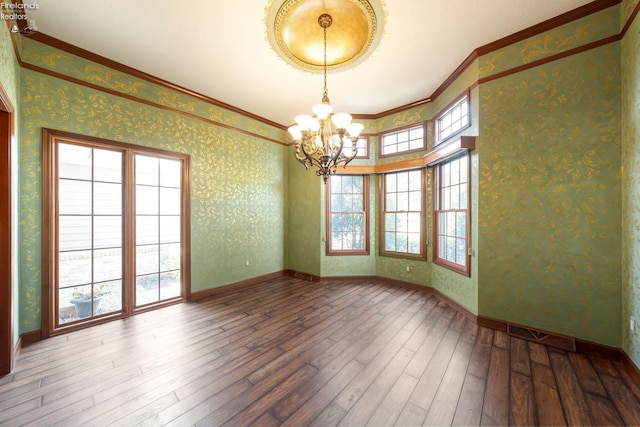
[[74, 197], [170, 257], [147, 231], [89, 200], [158, 220], [107, 165], [107, 231], [170, 284], [107, 264], [169, 201], [146, 200], [74, 161], [147, 289], [147, 259], [170, 172], [147, 169], [74, 268], [108, 200], [74, 232]]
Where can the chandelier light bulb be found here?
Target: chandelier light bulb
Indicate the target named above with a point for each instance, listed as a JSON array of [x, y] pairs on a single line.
[[354, 129], [322, 110], [304, 121], [295, 132], [341, 120]]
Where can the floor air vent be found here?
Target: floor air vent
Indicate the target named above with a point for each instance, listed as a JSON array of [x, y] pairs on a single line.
[[303, 276], [546, 338]]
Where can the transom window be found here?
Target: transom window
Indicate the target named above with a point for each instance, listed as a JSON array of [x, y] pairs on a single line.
[[362, 146], [402, 206], [451, 247], [347, 215], [454, 119], [402, 141]]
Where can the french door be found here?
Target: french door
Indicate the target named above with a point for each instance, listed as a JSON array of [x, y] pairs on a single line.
[[116, 223]]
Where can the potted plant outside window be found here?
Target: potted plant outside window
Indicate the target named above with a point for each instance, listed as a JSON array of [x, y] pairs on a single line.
[[84, 300]]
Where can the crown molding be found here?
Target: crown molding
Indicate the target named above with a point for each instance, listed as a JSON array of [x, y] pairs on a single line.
[[578, 13]]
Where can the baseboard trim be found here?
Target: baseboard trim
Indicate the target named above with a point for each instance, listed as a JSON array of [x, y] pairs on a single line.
[[26, 339], [447, 299], [235, 287], [633, 368], [581, 346]]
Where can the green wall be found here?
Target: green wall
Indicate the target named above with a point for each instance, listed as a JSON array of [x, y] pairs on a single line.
[[631, 183], [9, 81], [238, 205], [549, 217], [304, 227]]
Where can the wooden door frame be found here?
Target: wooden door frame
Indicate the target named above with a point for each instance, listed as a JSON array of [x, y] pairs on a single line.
[[6, 240]]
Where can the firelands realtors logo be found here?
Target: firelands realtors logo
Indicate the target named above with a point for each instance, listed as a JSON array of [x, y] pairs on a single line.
[[17, 12]]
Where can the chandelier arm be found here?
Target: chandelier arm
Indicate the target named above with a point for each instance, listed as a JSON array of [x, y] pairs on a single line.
[[309, 155]]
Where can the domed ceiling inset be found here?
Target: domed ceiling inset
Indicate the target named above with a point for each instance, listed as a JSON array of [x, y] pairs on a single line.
[[295, 34]]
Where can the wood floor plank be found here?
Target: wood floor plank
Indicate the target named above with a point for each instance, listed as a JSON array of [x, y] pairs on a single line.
[[548, 404], [623, 399], [445, 402], [356, 387], [589, 380], [520, 361], [496, 402], [538, 354], [481, 355], [469, 409], [431, 378], [297, 353], [320, 400], [427, 349], [391, 406], [604, 412], [522, 404], [371, 398], [576, 409]]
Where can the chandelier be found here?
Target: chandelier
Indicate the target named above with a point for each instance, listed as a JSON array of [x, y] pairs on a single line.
[[316, 142]]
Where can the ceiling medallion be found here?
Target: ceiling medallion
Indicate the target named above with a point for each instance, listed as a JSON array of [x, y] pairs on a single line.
[[355, 33]]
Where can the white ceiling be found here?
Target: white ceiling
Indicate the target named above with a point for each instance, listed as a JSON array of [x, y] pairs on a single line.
[[219, 48]]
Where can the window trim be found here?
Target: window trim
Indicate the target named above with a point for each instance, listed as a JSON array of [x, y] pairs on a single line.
[[365, 204], [367, 152], [436, 119], [50, 138], [422, 256], [381, 136], [466, 269]]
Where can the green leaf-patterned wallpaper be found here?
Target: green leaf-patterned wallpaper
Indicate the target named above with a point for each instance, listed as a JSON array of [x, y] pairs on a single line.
[[9, 81], [237, 203], [631, 184], [549, 196]]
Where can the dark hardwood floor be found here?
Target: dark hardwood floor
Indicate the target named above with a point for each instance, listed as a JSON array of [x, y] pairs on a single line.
[[296, 353]]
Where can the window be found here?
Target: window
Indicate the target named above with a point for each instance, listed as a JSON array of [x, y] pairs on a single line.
[[347, 215], [116, 227], [402, 220], [402, 141], [454, 119], [362, 146], [451, 213]]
